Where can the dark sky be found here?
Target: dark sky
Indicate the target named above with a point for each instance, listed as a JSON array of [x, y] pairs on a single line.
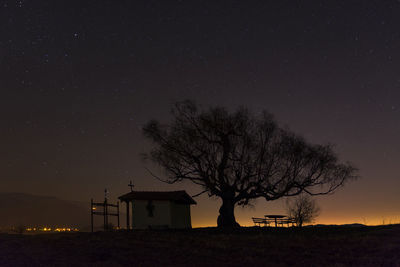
[[79, 78]]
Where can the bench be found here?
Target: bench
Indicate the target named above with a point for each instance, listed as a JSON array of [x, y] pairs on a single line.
[[259, 221], [280, 220], [287, 221]]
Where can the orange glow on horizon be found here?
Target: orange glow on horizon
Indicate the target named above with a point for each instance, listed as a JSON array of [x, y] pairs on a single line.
[[370, 221]]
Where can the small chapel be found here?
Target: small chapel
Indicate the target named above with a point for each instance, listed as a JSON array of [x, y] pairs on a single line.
[[157, 210]]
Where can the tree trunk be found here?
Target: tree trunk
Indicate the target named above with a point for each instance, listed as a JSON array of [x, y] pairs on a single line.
[[226, 218]]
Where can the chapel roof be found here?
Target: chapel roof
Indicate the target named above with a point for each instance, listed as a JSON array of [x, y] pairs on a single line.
[[177, 196]]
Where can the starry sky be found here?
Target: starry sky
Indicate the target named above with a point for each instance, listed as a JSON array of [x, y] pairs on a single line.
[[78, 79]]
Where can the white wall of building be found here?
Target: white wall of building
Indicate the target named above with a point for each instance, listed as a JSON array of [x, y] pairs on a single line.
[[142, 220], [165, 214]]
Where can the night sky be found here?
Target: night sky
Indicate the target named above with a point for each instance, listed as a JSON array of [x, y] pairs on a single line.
[[79, 78]]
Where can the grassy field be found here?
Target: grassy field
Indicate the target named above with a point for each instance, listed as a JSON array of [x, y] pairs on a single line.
[[311, 246]]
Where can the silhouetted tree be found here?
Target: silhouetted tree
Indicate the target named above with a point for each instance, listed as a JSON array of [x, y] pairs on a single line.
[[302, 209], [240, 156]]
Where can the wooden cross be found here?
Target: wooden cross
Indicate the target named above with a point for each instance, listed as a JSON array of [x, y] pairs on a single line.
[[131, 185]]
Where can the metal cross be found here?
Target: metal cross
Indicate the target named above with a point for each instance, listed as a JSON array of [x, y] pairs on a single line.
[[131, 185]]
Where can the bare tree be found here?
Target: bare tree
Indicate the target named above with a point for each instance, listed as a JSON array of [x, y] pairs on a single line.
[[240, 157], [302, 209]]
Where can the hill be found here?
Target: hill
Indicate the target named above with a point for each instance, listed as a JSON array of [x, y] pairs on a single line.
[[30, 210], [318, 246]]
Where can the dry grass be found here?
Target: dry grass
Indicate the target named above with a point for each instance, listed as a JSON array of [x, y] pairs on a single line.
[[316, 246]]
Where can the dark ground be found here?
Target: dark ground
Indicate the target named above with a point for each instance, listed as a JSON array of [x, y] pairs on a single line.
[[313, 246]]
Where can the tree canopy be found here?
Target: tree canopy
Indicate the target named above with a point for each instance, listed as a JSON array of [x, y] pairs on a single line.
[[239, 156]]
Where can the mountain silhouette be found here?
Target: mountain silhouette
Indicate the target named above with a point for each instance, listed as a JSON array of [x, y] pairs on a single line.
[[31, 210]]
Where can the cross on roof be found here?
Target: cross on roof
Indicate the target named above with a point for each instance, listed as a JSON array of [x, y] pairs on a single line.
[[131, 185]]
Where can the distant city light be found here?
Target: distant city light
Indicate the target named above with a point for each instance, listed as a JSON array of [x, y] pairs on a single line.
[[49, 229]]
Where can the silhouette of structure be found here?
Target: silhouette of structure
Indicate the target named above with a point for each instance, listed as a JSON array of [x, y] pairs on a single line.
[[131, 185], [276, 220], [158, 210], [104, 212]]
